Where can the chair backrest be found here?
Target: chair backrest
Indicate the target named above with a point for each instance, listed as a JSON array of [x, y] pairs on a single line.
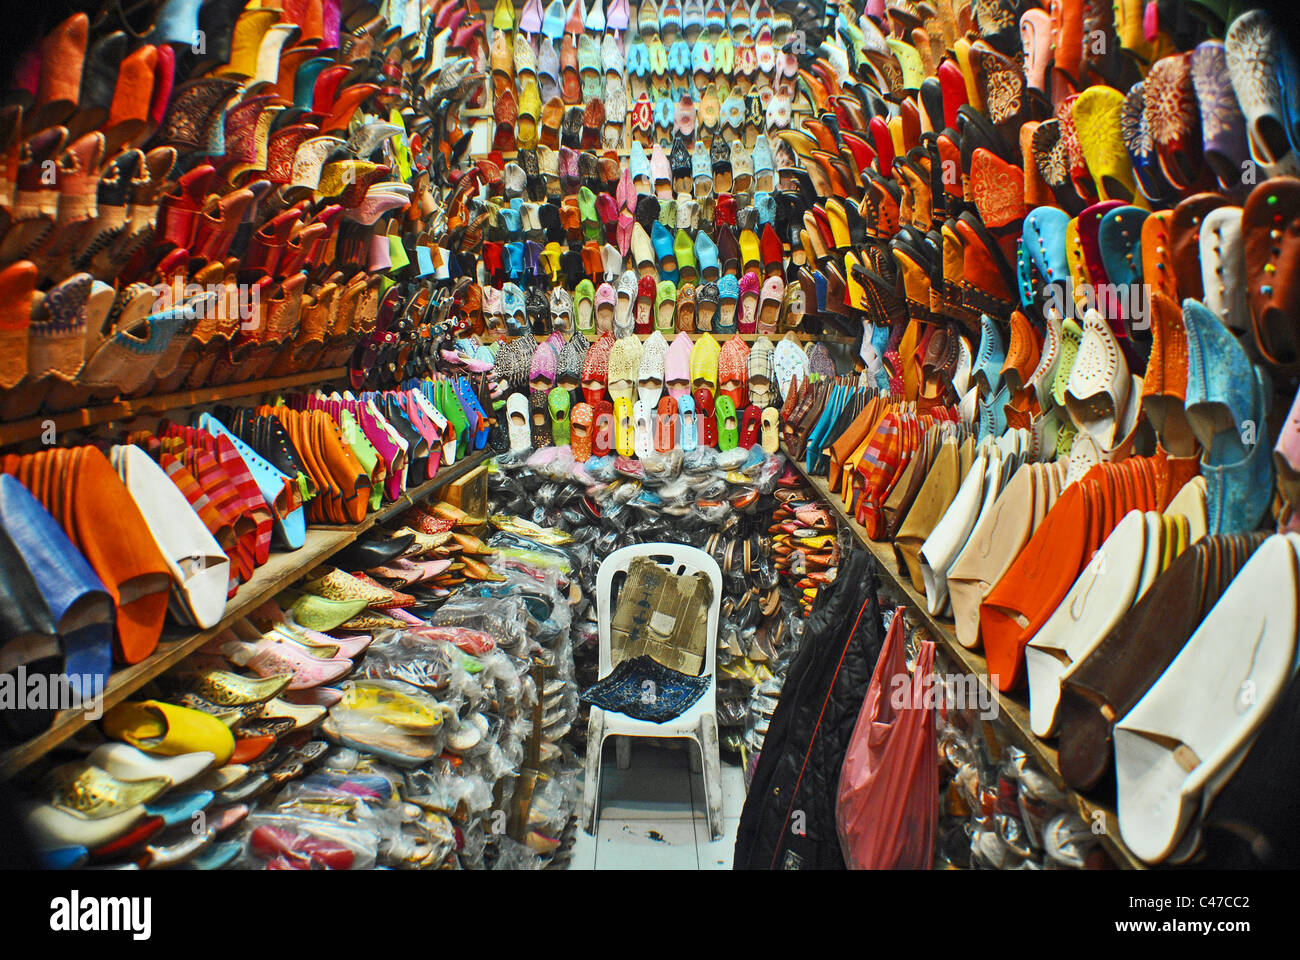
[[679, 559]]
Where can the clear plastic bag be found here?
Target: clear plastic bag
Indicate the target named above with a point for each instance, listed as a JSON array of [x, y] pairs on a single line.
[[505, 618], [662, 467], [700, 461], [732, 459], [511, 855], [601, 469], [710, 511], [389, 718], [415, 657], [765, 473], [298, 842]]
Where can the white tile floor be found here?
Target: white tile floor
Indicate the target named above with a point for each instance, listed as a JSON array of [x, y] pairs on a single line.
[[652, 815]]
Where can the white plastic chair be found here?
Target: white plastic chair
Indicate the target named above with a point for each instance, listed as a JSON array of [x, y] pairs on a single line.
[[699, 723]]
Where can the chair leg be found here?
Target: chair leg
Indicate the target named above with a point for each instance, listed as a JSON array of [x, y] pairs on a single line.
[[623, 752], [712, 761], [697, 765], [591, 779]]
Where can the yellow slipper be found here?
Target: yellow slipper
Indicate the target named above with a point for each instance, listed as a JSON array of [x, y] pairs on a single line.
[[166, 730], [1097, 125]]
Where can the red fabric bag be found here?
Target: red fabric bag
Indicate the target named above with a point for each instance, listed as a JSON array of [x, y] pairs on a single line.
[[887, 804]]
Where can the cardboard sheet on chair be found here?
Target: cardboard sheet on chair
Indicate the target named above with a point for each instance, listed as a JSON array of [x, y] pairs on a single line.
[[663, 616]]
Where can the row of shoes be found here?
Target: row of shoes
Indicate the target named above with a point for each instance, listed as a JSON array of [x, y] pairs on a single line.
[[217, 212], [803, 542], [595, 58], [175, 520], [633, 429], [607, 215], [631, 305], [599, 248], [214, 742], [666, 21], [640, 398], [1068, 263], [540, 97], [564, 160]]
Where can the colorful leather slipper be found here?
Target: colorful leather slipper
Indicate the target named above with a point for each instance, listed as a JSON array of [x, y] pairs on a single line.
[[945, 541], [163, 729], [1173, 747], [1088, 613], [1099, 386], [200, 568]]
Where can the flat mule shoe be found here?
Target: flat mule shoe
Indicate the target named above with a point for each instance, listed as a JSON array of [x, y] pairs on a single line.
[[1086, 614], [1167, 754], [129, 764], [944, 543]]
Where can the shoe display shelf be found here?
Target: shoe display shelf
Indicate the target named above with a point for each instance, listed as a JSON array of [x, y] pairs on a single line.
[[280, 571], [30, 428], [1012, 714]]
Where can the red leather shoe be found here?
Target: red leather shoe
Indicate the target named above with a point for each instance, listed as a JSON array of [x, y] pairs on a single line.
[[750, 426]]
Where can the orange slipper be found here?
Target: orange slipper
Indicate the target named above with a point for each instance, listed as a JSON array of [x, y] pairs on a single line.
[[1036, 582]]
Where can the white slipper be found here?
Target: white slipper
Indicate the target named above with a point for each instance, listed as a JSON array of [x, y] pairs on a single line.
[[1104, 591], [965, 360], [1189, 502], [643, 434], [199, 567], [1097, 395], [222, 778], [995, 481], [951, 533], [51, 827], [1173, 749], [1084, 455], [521, 437], [1223, 268], [1044, 431], [968, 407], [995, 540], [1044, 374], [1253, 47], [127, 763], [1155, 561], [1126, 431]]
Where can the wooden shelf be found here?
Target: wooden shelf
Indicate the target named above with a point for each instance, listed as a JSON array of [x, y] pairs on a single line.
[[1013, 715], [409, 499], [280, 571], [268, 580], [30, 428]]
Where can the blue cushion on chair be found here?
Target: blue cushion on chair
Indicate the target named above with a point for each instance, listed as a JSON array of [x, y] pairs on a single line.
[[624, 690]]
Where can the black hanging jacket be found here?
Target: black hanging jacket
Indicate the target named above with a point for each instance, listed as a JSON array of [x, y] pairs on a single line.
[[789, 817]]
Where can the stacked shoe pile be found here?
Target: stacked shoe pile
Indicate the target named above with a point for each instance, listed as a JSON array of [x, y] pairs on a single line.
[[177, 519], [1089, 314], [426, 694], [695, 202], [621, 396], [182, 214], [1033, 825], [805, 539]]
